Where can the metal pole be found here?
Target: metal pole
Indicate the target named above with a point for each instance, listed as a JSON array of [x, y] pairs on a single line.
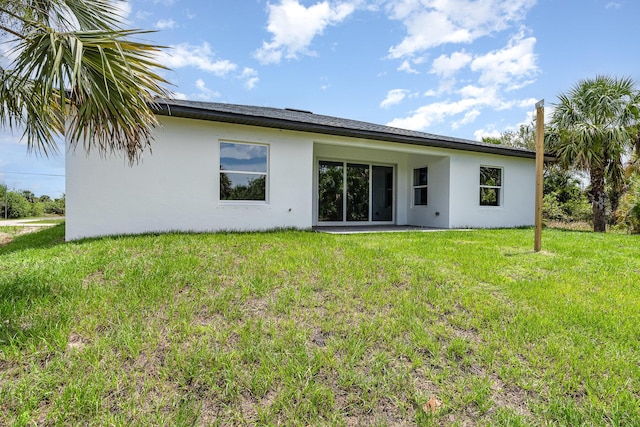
[[537, 244]]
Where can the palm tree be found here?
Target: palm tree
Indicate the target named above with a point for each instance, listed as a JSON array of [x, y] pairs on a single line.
[[593, 126], [71, 70]]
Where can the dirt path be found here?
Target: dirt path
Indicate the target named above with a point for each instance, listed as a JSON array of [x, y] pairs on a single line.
[[24, 226], [31, 222]]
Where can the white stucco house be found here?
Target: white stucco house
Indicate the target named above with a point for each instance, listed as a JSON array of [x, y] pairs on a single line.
[[231, 167]]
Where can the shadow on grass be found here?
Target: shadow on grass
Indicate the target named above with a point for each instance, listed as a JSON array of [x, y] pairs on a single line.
[[46, 238]]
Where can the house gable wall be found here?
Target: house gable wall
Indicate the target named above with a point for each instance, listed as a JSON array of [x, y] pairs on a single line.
[[177, 186]]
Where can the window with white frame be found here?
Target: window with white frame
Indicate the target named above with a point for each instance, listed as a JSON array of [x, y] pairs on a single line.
[[490, 186], [420, 184], [243, 171]]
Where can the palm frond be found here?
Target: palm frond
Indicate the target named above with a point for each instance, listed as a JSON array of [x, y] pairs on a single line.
[[103, 81], [92, 78], [597, 118]]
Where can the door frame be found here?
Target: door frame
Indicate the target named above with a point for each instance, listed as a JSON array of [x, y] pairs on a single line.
[[316, 195]]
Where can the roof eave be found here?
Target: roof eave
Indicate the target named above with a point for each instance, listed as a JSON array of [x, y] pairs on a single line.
[[276, 123]]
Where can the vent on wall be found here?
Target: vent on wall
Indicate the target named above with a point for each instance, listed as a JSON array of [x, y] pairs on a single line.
[[299, 111]]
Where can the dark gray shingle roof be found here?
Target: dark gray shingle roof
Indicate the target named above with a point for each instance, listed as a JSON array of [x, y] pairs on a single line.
[[305, 121]]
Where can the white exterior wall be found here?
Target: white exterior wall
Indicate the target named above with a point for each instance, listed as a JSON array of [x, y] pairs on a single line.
[[436, 213], [177, 187], [518, 191]]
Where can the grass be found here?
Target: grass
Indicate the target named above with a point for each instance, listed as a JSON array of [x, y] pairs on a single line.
[[299, 328]]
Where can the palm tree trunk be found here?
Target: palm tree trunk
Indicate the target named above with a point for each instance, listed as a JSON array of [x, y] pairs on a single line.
[[599, 199]]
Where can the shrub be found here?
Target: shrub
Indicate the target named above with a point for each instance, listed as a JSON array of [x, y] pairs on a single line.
[[54, 207], [628, 213], [37, 209], [579, 209], [564, 199], [552, 209], [18, 206]]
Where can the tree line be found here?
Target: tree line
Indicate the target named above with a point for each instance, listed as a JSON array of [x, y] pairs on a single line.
[[594, 132], [24, 204]]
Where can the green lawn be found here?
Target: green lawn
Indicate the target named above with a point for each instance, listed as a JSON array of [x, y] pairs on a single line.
[[301, 328]]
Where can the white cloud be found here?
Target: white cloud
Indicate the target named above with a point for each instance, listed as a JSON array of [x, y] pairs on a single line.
[[406, 66], [250, 77], [446, 66], [499, 71], [141, 15], [435, 113], [431, 23], [201, 57], [489, 132], [166, 24], [394, 96], [469, 117], [469, 107], [492, 131], [445, 86], [408, 63], [511, 63], [488, 75], [294, 26], [472, 91], [613, 5], [206, 94], [203, 93]]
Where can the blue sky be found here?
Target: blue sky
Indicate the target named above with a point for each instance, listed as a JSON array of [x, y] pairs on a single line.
[[463, 68]]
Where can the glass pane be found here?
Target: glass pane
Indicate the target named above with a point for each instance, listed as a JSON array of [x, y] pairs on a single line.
[[357, 192], [242, 186], [491, 176], [382, 193], [420, 196], [243, 157], [330, 190], [489, 197], [420, 177]]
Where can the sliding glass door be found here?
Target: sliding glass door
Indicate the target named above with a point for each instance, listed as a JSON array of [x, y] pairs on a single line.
[[354, 192]]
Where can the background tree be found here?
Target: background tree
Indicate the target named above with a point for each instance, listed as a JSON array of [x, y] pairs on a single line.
[[31, 198], [17, 206], [56, 206], [524, 137], [564, 198], [3, 200], [23, 203], [592, 127], [72, 65]]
